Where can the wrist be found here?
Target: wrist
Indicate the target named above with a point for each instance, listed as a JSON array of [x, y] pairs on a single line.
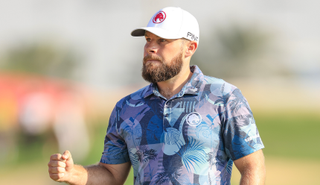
[[78, 175]]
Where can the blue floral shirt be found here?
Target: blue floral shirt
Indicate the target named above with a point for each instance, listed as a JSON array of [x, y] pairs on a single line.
[[192, 138]]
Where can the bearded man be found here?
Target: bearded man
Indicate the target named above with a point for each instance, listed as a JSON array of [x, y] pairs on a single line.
[[183, 128]]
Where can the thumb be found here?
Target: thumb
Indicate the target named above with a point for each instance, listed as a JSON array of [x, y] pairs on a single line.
[[68, 159]]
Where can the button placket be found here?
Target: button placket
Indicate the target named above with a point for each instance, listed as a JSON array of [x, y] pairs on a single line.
[[166, 114], [166, 110]]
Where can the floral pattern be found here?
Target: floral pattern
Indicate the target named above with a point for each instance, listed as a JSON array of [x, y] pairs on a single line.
[[191, 138]]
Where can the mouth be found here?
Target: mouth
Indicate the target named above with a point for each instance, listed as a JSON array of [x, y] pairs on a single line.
[[151, 59], [151, 62]]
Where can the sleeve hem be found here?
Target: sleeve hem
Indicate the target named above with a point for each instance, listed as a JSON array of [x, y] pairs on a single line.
[[245, 154], [114, 161]]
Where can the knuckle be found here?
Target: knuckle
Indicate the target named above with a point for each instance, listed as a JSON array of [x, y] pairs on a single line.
[[62, 164], [55, 156], [56, 176], [61, 170], [52, 163], [57, 164], [56, 170], [51, 170], [60, 175]]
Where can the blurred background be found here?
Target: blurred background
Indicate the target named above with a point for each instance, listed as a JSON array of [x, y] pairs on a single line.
[[64, 65]]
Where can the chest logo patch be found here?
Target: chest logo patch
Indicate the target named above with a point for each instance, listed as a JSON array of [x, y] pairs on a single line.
[[194, 119]]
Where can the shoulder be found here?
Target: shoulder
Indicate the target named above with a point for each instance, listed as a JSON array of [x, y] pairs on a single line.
[[218, 86], [135, 97]]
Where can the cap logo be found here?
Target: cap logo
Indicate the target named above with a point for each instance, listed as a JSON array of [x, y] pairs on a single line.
[[159, 18]]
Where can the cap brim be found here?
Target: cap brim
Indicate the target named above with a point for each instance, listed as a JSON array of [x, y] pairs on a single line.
[[138, 32], [157, 31]]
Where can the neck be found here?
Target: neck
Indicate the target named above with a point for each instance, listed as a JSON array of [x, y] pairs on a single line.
[[174, 85]]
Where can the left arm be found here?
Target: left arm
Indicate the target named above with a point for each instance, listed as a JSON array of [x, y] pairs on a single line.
[[252, 168]]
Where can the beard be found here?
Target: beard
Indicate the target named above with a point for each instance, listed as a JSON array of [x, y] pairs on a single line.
[[154, 73]]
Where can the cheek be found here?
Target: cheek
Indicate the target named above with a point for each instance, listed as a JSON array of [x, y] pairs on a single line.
[[144, 50], [168, 55]]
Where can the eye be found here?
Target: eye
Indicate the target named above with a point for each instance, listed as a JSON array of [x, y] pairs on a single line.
[[148, 39], [163, 40]]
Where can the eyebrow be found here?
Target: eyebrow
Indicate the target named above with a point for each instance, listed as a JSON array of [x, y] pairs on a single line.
[[145, 33]]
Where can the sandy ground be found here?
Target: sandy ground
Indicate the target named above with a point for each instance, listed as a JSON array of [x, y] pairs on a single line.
[[280, 171]]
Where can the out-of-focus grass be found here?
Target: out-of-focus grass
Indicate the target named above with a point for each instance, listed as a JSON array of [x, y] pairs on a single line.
[[290, 135], [285, 135]]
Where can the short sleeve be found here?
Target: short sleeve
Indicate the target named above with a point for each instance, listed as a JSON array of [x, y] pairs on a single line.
[[240, 135], [115, 148]]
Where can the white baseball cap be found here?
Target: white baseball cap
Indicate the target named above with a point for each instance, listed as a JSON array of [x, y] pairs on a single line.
[[171, 23]]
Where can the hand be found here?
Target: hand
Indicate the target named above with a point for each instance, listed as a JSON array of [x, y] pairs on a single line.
[[61, 166]]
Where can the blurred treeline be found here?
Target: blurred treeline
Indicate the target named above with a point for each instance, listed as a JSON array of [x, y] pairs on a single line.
[[41, 58], [241, 51]]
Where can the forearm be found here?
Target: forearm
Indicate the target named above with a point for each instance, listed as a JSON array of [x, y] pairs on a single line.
[[78, 175], [91, 175]]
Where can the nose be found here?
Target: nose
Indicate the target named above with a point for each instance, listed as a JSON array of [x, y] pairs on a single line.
[[151, 47]]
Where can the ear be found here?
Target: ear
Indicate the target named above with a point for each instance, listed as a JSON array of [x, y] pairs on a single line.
[[191, 48]]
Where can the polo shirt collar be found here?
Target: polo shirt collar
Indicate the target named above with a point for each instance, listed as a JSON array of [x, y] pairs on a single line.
[[192, 87]]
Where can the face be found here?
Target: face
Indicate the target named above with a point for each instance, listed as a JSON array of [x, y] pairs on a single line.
[[163, 58]]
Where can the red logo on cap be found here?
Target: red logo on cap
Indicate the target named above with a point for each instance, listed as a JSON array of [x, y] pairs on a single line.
[[159, 18]]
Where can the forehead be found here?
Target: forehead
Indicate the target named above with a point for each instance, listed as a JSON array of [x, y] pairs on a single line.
[[149, 34]]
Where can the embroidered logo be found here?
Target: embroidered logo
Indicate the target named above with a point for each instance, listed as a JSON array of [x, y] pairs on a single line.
[[192, 36], [159, 18], [194, 119]]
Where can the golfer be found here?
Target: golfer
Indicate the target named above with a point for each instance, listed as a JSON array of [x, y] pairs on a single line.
[[183, 128]]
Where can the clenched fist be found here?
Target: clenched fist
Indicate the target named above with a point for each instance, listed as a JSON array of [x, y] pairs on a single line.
[[60, 167]]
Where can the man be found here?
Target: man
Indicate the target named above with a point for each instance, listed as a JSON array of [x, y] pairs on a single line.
[[184, 128]]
